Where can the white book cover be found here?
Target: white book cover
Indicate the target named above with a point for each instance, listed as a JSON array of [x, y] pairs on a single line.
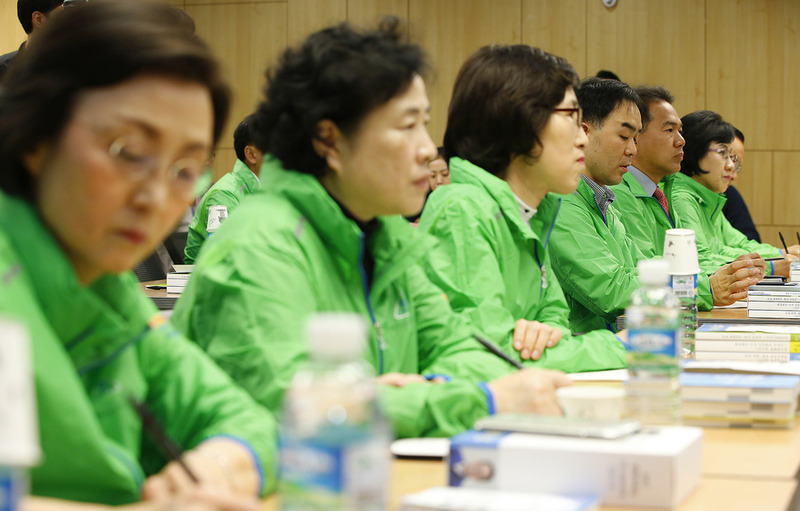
[[741, 388], [448, 498], [773, 314], [746, 356], [734, 410], [773, 305], [748, 332], [758, 346]]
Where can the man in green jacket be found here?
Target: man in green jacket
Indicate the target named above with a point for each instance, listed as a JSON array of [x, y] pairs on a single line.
[[643, 208], [592, 255], [228, 192], [326, 237]]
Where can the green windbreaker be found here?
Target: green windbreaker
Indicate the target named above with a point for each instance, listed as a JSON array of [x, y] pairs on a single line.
[[594, 261], [229, 192], [92, 348], [495, 270], [696, 207], [289, 252], [646, 223]]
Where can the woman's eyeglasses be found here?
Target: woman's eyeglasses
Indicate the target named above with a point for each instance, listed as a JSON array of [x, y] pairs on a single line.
[[575, 112], [726, 153]]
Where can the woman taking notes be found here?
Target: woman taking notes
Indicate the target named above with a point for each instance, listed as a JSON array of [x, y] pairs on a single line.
[[513, 139], [105, 125], [696, 195]]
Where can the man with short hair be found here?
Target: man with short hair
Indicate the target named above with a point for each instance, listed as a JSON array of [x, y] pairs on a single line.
[[229, 191], [32, 14], [735, 209], [643, 207], [592, 256]]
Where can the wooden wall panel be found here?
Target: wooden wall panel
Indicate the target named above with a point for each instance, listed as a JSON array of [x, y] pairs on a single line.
[[224, 159], [651, 41], [450, 30], [753, 52], [558, 28], [307, 16], [755, 182], [368, 13], [246, 38], [11, 33], [786, 201]]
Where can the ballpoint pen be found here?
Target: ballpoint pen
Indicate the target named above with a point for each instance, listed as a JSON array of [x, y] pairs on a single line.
[[780, 234], [489, 345]]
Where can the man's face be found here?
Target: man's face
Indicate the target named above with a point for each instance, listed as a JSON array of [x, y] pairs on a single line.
[[612, 145], [661, 144], [737, 147]]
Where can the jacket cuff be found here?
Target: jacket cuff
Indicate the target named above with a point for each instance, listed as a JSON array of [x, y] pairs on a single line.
[[253, 457], [433, 376], [489, 397]]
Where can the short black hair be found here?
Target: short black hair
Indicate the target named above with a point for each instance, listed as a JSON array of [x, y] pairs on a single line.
[[94, 45], [700, 130], [26, 8], [245, 135], [651, 94], [502, 99], [339, 74], [605, 74], [599, 97], [738, 134]]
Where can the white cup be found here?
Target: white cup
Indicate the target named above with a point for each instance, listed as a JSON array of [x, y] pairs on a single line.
[[591, 402], [680, 250]]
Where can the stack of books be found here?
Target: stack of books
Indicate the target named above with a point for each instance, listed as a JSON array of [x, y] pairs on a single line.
[[739, 400], [747, 342], [794, 273], [774, 301], [177, 279]]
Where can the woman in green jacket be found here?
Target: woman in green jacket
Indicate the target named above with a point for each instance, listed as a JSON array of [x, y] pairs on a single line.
[[513, 136], [345, 121], [105, 126], [696, 196]]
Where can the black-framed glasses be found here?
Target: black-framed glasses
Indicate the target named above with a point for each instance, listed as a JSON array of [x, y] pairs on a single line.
[[575, 112], [726, 153]]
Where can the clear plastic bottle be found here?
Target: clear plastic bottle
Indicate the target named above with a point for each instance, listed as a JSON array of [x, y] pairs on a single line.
[[685, 289], [654, 333], [334, 439]]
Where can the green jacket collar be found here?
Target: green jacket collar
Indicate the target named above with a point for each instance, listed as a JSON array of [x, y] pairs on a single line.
[[245, 175], [710, 202], [395, 246], [95, 323], [463, 171], [634, 185]]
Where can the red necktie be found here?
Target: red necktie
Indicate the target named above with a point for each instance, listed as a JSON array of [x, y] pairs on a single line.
[[662, 199]]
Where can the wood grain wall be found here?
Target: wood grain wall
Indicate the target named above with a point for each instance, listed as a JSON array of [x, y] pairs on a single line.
[[738, 57]]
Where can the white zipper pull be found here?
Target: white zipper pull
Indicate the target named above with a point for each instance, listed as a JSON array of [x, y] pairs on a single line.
[[544, 277]]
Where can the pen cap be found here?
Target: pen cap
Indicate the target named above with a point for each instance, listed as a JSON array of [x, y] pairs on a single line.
[[680, 250], [653, 272], [336, 337]]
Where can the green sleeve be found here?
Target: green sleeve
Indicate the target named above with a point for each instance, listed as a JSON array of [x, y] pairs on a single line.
[[249, 312], [734, 238], [197, 401], [688, 214], [594, 264], [197, 233]]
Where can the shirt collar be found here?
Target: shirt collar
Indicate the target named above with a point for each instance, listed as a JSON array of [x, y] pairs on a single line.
[[603, 196], [525, 211], [643, 179]]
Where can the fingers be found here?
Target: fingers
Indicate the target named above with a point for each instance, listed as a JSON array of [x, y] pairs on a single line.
[[520, 327], [531, 338]]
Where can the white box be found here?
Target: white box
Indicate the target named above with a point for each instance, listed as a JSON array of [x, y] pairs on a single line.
[[657, 467]]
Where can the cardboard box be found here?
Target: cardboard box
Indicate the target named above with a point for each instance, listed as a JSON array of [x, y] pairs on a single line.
[[657, 467]]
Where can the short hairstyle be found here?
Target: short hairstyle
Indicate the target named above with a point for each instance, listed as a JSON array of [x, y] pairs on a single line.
[[700, 130], [599, 97], [651, 94], [244, 135], [605, 74], [339, 74], [26, 8], [738, 134], [502, 99], [94, 45]]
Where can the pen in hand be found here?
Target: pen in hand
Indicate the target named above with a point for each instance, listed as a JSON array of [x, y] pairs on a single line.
[[784, 242], [489, 345], [151, 425]]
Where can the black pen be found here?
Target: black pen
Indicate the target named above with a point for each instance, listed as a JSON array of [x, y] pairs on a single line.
[[798, 236], [489, 345], [155, 286], [151, 425], [781, 258], [784, 243]]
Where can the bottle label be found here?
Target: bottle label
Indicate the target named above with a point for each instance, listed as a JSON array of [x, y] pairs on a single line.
[[334, 476], [684, 286], [656, 342]]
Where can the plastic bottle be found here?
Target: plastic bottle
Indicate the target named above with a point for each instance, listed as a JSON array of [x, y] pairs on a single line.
[[334, 439], [654, 333], [685, 289]]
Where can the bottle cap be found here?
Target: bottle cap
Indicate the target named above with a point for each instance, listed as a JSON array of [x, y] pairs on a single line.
[[336, 336], [653, 272]]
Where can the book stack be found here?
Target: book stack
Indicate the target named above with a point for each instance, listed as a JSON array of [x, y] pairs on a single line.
[[177, 279], [794, 272], [747, 342], [739, 400], [774, 301]]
